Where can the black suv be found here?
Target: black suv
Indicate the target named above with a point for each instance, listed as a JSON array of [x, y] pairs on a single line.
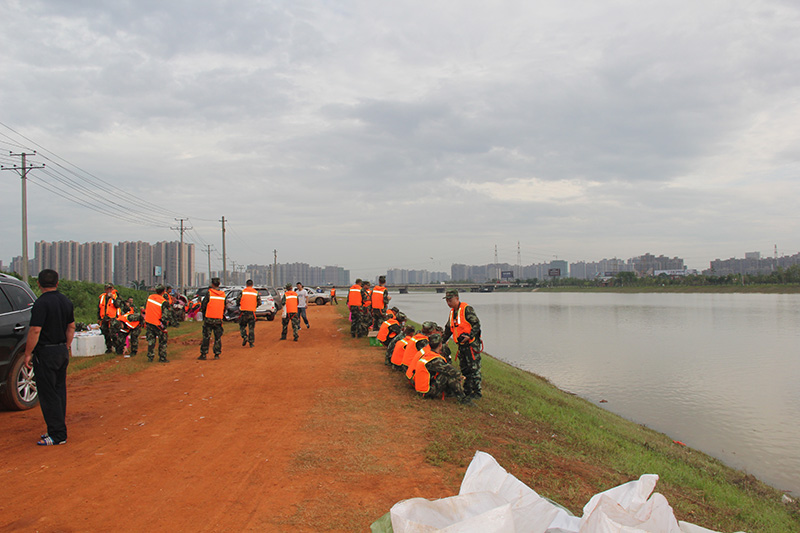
[[17, 387]]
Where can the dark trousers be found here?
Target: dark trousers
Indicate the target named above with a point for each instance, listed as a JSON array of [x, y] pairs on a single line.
[[50, 372], [302, 312]]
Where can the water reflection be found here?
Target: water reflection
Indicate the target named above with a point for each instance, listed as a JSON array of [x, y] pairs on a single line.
[[717, 371]]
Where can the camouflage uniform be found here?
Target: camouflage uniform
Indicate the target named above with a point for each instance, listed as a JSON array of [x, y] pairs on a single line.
[[153, 334], [211, 326], [247, 319], [364, 315], [355, 319], [114, 331], [123, 333], [445, 380], [294, 318], [469, 354]]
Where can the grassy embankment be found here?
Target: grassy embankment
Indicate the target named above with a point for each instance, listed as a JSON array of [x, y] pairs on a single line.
[[568, 449]]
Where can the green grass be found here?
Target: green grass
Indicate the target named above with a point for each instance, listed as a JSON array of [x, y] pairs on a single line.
[[568, 449], [714, 289]]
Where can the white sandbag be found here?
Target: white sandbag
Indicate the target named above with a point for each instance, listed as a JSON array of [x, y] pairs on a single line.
[[492, 500]]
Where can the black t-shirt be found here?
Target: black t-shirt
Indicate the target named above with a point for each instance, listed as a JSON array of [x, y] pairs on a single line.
[[52, 312]]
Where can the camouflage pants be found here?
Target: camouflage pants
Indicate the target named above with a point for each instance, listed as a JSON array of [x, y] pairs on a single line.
[[105, 329], [364, 321], [443, 385], [247, 320], [469, 358], [378, 316], [294, 318], [211, 325], [355, 314], [114, 331], [153, 334], [134, 336]]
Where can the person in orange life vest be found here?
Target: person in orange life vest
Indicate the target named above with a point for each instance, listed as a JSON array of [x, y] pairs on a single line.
[[129, 323], [421, 345], [334, 301], [248, 301], [397, 347], [434, 377], [418, 341], [380, 301], [392, 313], [389, 329], [289, 301], [213, 309], [107, 311], [156, 316], [354, 304], [128, 306], [465, 328]]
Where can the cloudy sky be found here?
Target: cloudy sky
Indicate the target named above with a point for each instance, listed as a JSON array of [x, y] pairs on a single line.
[[411, 134]]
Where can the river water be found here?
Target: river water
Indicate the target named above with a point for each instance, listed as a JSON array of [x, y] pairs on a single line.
[[720, 372]]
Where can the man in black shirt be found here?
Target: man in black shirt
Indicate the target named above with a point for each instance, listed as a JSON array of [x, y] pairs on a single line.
[[49, 340]]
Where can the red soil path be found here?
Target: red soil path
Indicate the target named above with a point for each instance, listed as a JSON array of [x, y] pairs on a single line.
[[286, 436]]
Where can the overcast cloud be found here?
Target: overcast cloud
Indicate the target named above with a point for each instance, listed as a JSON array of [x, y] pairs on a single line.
[[412, 134]]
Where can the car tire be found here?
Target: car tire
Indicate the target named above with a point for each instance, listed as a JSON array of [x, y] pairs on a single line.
[[320, 301], [20, 393], [271, 317]]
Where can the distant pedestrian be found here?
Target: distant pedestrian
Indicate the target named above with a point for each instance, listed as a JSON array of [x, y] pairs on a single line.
[[334, 301], [213, 309], [249, 300], [380, 301], [465, 328], [289, 304], [47, 351], [302, 303]]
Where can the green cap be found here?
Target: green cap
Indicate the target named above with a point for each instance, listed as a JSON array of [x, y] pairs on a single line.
[[109, 286], [288, 286], [400, 317], [451, 293], [159, 287], [429, 326], [435, 339]]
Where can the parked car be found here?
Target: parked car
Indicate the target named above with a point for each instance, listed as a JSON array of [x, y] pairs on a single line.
[[17, 386], [268, 306], [318, 296]]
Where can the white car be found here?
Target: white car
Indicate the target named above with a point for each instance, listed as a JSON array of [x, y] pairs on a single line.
[[269, 307]]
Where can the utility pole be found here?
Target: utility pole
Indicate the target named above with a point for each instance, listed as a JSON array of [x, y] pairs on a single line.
[[224, 265], [496, 265], [519, 262], [208, 250], [23, 173], [180, 254], [274, 266]]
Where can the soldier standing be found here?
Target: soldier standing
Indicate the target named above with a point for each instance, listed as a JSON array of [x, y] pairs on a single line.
[[365, 317], [248, 301], [380, 301], [156, 316], [213, 309], [107, 312], [334, 301], [289, 301], [354, 303], [465, 328]]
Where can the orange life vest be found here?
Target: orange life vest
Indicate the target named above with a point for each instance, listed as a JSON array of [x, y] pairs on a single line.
[[411, 348], [399, 350], [412, 365], [249, 300], [389, 314], [215, 308], [333, 292], [152, 310], [127, 323], [377, 297], [422, 377], [291, 301], [107, 307], [367, 302], [354, 296], [383, 332], [458, 322]]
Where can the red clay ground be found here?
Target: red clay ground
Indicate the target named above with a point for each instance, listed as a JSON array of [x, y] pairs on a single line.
[[286, 436]]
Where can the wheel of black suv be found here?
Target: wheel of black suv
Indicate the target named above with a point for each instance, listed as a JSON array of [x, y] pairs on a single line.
[[20, 393]]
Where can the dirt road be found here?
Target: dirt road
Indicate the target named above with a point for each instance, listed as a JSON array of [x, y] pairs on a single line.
[[286, 436]]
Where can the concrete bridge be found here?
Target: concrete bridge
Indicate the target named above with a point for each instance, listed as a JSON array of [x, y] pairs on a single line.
[[438, 287]]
